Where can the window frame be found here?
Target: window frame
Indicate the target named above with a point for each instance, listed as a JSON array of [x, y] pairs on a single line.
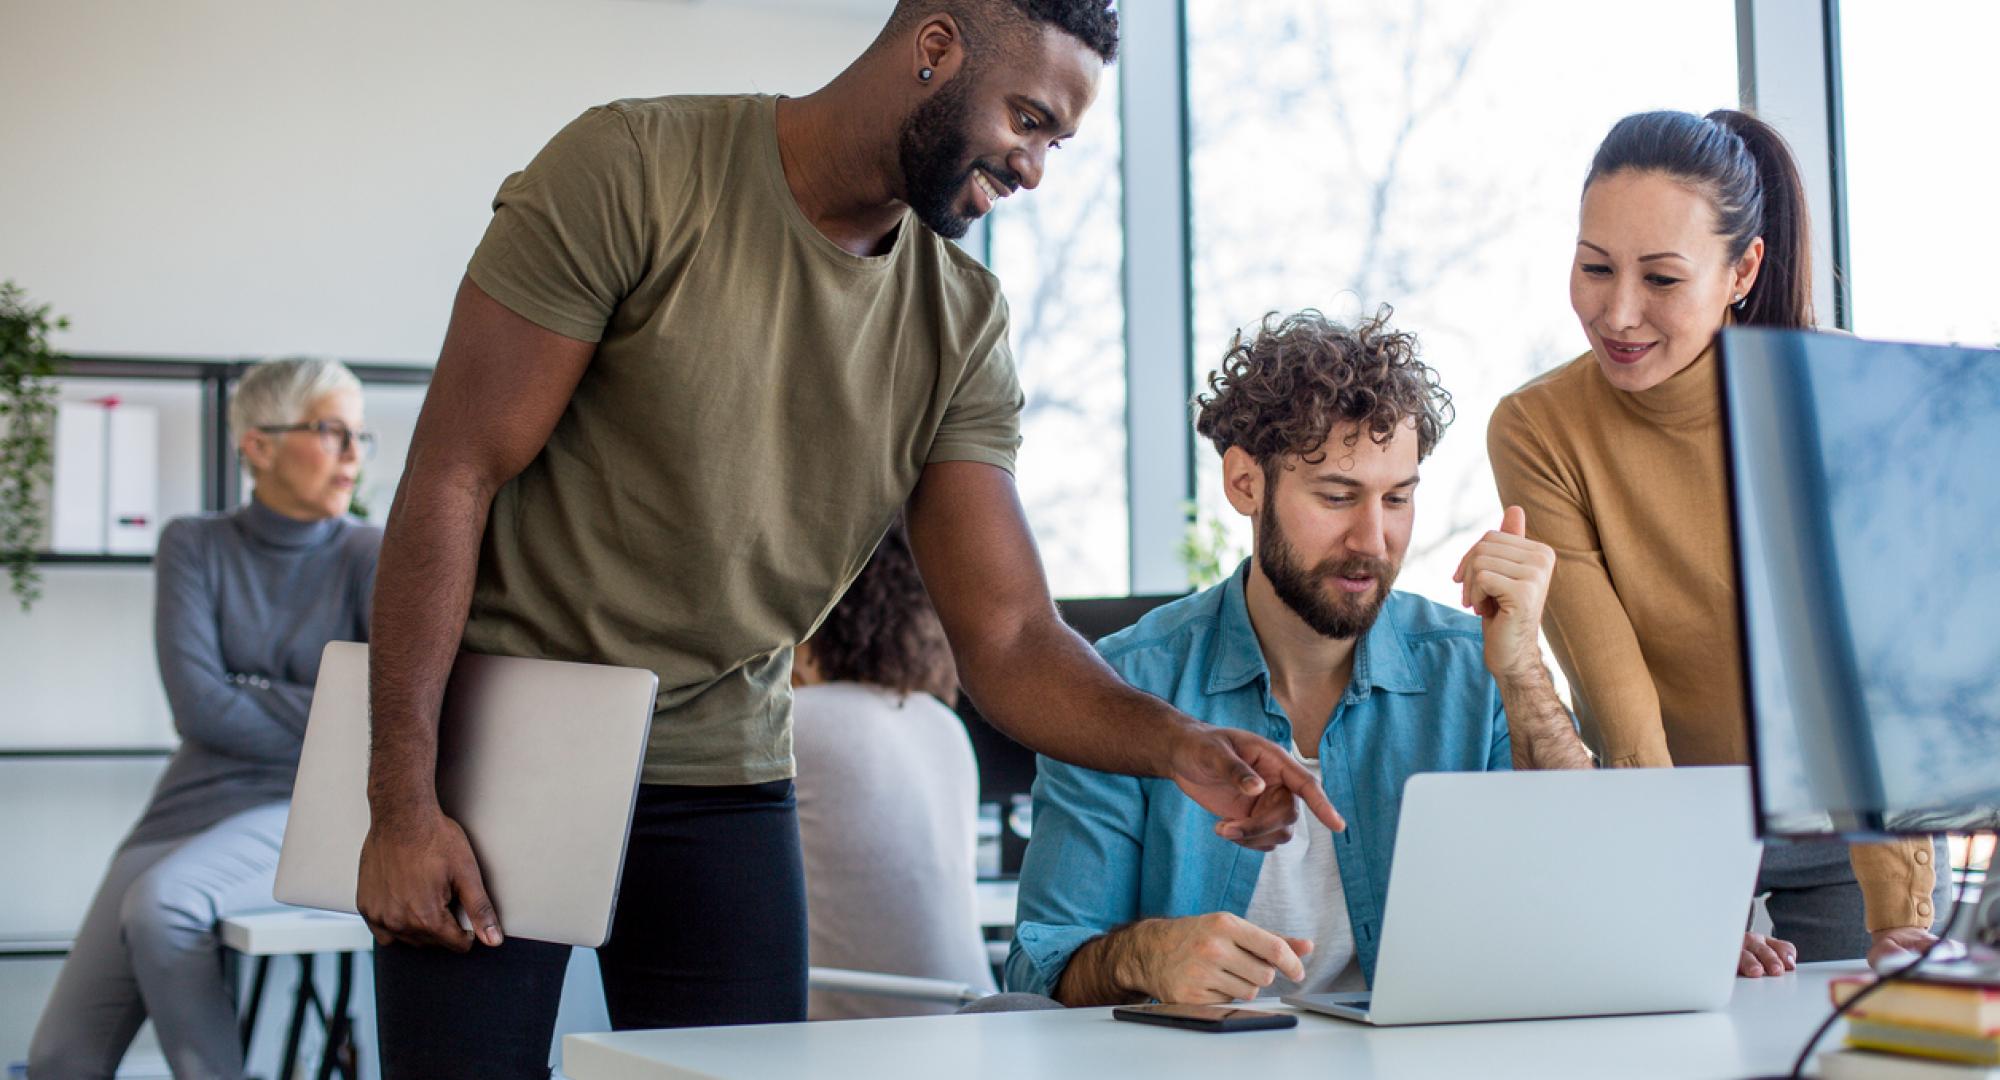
[[1788, 63], [1788, 70]]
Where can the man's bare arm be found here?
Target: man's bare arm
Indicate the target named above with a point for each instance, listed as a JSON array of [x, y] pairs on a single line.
[[1539, 728], [500, 386], [1505, 578], [1103, 971], [1035, 679], [1197, 959], [1030, 673]]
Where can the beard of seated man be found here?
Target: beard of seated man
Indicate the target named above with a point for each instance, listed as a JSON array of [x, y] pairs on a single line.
[[1312, 593]]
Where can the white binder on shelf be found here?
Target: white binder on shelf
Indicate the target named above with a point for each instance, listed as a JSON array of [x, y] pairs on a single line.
[[106, 491]]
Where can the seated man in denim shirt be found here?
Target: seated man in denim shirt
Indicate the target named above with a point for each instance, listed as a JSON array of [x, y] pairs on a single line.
[[1128, 891]]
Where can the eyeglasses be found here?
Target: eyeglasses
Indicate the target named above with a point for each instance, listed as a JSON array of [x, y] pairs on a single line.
[[334, 436]]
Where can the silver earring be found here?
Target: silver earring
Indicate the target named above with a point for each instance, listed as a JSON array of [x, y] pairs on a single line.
[[924, 75], [1738, 304]]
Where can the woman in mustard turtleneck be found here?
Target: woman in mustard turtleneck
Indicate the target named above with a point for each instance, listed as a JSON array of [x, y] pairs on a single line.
[[1688, 223]]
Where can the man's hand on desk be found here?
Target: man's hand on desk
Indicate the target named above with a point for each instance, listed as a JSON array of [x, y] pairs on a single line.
[[1764, 955], [1249, 783], [411, 871], [1200, 959]]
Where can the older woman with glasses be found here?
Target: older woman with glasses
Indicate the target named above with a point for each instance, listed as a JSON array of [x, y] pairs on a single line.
[[246, 600]]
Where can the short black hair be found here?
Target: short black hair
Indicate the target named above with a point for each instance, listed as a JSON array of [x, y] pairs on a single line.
[[1092, 22]]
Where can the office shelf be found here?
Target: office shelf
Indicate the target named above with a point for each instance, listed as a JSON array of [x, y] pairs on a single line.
[[222, 472], [34, 948], [14, 752], [221, 489]]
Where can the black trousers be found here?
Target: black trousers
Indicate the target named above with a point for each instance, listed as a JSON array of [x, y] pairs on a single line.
[[710, 929]]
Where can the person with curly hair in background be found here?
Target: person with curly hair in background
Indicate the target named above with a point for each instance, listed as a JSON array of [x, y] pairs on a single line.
[[1126, 893], [888, 792]]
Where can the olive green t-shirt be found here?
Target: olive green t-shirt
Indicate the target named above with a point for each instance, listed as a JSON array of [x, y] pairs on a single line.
[[759, 407]]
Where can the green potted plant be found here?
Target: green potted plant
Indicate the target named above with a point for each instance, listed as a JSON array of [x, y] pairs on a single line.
[[27, 424], [1207, 550]]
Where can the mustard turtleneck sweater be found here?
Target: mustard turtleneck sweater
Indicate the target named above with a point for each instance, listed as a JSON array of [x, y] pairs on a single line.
[[1629, 490]]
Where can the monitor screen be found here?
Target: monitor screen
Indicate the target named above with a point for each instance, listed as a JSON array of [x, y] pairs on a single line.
[[1865, 487]]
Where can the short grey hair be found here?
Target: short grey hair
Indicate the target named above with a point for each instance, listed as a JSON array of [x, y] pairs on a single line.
[[279, 392]]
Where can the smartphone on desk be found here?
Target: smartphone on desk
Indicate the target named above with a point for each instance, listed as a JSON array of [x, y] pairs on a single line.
[[1217, 1018]]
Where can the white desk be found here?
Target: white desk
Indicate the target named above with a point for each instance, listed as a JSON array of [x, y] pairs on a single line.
[[291, 931], [302, 932], [996, 902], [1760, 1032]]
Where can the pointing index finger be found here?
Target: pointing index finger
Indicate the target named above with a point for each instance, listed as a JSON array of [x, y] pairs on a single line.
[[1305, 787]]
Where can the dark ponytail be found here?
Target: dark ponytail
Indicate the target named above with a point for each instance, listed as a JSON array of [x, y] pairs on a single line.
[[1746, 169]]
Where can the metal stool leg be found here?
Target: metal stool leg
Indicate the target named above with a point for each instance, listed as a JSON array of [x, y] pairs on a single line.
[[249, 1021], [301, 1001], [338, 1029]]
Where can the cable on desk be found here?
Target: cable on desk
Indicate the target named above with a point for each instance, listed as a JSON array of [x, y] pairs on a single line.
[[1898, 975]]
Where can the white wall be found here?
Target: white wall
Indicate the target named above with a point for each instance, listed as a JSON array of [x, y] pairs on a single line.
[[223, 177], [245, 178]]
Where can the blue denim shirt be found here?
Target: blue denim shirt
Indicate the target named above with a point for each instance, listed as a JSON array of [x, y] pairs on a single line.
[[1108, 850]]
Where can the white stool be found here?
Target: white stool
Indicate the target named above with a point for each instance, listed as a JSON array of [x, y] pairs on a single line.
[[304, 933]]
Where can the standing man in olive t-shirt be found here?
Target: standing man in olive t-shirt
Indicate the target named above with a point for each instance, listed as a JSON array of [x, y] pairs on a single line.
[[707, 349]]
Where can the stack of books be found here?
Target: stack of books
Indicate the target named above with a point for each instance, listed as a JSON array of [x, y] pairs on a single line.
[[1917, 1029]]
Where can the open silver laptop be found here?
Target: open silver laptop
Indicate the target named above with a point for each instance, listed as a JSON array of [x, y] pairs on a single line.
[[1523, 895], [538, 760]]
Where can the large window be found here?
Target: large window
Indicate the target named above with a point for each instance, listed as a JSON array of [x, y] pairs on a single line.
[[1428, 156], [1921, 160], [1059, 251]]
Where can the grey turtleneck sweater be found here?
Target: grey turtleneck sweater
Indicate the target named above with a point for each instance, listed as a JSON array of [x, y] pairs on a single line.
[[245, 601]]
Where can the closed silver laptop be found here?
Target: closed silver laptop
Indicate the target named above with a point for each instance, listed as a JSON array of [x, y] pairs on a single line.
[[1526, 895], [538, 760]]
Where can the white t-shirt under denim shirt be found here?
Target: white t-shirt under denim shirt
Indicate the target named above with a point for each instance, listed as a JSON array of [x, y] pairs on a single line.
[[1299, 895]]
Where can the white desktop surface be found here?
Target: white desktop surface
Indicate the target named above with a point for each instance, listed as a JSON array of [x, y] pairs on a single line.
[[1760, 1032], [996, 902], [291, 930]]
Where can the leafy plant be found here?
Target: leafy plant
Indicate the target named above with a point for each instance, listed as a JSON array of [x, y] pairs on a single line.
[[1207, 550], [358, 504], [27, 424]]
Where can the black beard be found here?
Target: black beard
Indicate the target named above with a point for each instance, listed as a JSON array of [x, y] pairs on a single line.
[[931, 149], [1301, 590]]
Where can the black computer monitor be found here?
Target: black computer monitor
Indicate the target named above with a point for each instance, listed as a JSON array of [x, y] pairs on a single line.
[[1006, 768], [1865, 492]]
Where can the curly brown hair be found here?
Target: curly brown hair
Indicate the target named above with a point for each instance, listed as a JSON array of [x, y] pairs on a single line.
[[884, 630], [1282, 391]]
